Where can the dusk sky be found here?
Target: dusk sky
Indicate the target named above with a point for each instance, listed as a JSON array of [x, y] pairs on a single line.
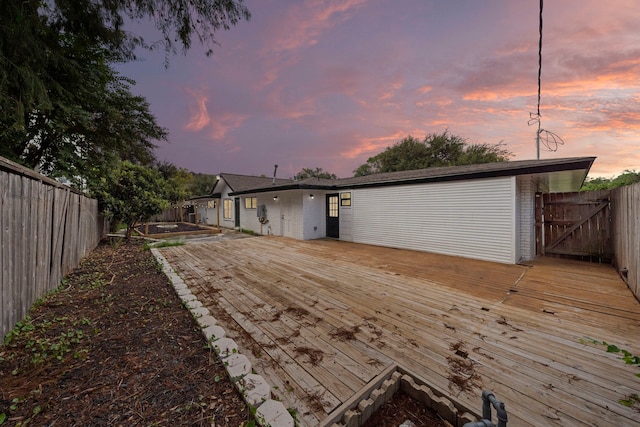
[[331, 83]]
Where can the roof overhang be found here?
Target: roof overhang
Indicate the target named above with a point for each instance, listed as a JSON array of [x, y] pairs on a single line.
[[560, 176], [286, 187], [561, 181], [553, 175]]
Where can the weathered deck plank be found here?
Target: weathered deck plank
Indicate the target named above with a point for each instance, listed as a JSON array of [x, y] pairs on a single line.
[[285, 301]]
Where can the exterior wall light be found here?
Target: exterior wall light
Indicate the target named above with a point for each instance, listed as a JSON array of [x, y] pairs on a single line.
[[275, 197], [311, 196]]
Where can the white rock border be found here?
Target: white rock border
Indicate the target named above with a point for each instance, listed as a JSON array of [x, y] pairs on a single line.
[[254, 388]]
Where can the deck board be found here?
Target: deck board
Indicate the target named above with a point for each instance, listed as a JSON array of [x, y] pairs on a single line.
[[290, 305]]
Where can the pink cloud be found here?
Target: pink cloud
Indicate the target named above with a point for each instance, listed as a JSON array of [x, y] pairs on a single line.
[[199, 116], [225, 123], [299, 28], [425, 89], [338, 79], [389, 91], [304, 23]]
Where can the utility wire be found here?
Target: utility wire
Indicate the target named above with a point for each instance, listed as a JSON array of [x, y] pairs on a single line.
[[549, 139], [540, 58]]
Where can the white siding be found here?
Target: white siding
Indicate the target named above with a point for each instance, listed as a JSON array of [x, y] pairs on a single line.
[[273, 214], [285, 215], [313, 212], [230, 222], [294, 214], [346, 221], [527, 221], [249, 217], [474, 219], [291, 209], [207, 215]]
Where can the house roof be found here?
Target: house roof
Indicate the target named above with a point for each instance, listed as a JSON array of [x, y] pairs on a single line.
[[556, 175], [247, 183]]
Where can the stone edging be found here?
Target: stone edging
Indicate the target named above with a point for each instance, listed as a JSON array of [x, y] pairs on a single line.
[[254, 388]]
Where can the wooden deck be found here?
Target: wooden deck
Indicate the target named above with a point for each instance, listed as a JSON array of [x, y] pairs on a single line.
[[320, 319]]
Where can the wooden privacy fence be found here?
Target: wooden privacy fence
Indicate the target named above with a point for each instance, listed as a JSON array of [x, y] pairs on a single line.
[[600, 226], [626, 235], [45, 230], [575, 225]]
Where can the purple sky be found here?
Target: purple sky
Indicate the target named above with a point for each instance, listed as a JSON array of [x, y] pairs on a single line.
[[331, 83]]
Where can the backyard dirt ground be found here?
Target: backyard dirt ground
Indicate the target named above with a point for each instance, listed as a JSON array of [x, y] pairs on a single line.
[[113, 345], [168, 228]]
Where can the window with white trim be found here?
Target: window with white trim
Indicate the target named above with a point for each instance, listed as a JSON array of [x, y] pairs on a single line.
[[250, 202], [227, 208]]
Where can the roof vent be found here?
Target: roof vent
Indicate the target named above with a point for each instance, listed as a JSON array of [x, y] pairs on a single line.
[[275, 169]]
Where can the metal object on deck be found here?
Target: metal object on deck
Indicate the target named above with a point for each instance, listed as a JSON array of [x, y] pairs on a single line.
[[489, 400]]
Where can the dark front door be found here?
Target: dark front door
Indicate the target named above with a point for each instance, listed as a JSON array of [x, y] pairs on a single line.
[[333, 220], [237, 211]]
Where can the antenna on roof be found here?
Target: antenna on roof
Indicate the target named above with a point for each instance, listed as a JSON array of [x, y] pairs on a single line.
[[549, 139], [275, 169]]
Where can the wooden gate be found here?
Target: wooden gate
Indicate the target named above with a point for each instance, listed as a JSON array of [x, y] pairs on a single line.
[[574, 224]]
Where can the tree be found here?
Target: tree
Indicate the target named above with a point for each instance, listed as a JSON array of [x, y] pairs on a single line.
[[201, 184], [62, 105], [185, 184], [628, 177], [435, 150], [314, 173], [131, 193]]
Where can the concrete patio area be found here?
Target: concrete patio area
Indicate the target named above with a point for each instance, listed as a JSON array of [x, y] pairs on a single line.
[[320, 319]]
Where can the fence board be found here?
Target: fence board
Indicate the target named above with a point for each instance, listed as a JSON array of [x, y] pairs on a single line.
[[5, 279], [43, 248], [17, 237], [70, 240], [626, 235], [45, 230], [578, 224]]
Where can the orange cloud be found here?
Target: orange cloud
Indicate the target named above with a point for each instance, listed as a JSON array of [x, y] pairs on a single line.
[[372, 146], [198, 112], [425, 89], [391, 90]]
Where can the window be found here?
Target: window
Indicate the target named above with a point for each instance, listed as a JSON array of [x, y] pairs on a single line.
[[333, 206], [211, 204], [250, 202], [345, 199], [227, 208]]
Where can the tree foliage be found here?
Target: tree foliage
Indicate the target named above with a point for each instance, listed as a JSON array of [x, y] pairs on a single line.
[[185, 184], [314, 173], [201, 184], [434, 150], [63, 108], [628, 177], [131, 194]]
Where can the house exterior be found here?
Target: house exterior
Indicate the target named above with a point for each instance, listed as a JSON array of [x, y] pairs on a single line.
[[483, 211]]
